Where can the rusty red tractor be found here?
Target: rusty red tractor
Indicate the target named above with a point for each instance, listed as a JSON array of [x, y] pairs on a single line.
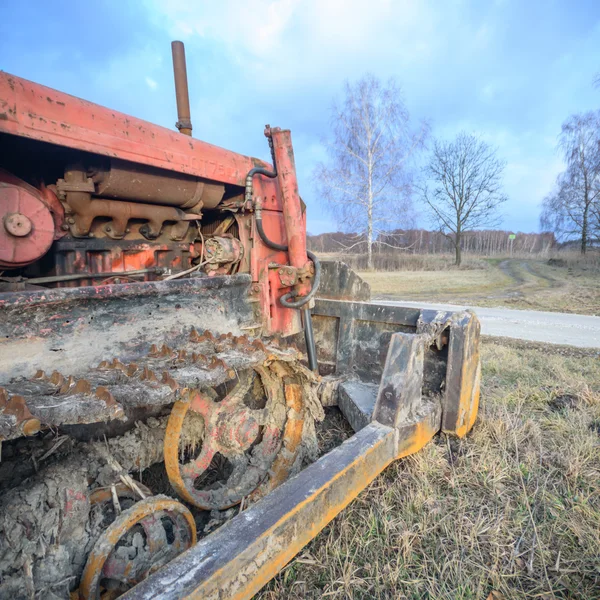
[[169, 349]]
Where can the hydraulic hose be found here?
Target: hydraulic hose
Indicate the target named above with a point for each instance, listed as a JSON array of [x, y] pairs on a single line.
[[286, 299], [311, 348], [250, 177]]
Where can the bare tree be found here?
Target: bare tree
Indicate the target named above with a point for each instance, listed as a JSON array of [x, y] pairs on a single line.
[[462, 187], [572, 210], [367, 178]]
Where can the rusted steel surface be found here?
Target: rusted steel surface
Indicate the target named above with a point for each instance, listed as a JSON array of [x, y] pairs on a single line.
[[159, 546], [463, 379], [37, 112], [85, 209], [184, 121], [244, 554], [230, 428], [89, 258], [275, 317], [294, 217], [129, 181]]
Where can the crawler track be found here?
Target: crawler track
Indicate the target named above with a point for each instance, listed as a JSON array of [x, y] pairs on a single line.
[[114, 389], [230, 398]]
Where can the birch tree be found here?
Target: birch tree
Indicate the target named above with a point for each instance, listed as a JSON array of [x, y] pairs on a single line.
[[462, 187], [572, 210], [366, 180]]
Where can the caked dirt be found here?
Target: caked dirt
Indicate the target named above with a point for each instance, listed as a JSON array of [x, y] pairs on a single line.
[[49, 522]]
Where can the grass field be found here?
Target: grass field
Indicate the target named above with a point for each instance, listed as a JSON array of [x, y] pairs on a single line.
[[512, 511], [512, 283]]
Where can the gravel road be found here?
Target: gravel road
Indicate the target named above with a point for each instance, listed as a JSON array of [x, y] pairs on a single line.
[[581, 331]]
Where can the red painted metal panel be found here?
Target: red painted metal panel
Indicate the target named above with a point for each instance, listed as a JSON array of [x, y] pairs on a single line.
[[295, 220], [34, 111]]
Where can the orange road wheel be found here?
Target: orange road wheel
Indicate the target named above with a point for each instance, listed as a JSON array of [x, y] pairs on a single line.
[[140, 540]]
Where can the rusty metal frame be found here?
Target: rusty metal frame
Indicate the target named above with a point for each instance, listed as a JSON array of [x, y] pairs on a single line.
[[405, 414], [36, 112]]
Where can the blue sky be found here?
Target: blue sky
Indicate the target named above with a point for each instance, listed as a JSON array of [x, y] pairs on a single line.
[[510, 70]]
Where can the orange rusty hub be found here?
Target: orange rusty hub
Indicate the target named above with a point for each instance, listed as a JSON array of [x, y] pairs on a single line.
[[249, 438], [154, 531]]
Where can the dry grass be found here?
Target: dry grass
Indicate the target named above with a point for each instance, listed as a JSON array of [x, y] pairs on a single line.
[[514, 508], [435, 285], [567, 285]]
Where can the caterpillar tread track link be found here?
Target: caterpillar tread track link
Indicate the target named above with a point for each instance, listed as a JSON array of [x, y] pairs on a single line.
[[158, 305]]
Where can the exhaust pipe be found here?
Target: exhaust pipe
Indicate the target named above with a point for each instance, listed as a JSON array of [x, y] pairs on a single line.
[[184, 120]]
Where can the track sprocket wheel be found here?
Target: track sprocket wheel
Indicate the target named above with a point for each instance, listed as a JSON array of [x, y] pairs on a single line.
[[250, 439], [138, 542]]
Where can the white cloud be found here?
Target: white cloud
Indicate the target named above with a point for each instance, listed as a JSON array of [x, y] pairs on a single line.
[[293, 42], [151, 83]]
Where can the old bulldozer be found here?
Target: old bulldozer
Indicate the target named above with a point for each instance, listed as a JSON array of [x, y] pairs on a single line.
[[169, 348]]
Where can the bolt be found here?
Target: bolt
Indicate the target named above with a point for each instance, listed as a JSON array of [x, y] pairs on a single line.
[[128, 230], [64, 227], [17, 225], [71, 220], [107, 228]]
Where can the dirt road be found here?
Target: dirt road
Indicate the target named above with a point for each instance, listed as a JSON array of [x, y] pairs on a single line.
[[550, 327]]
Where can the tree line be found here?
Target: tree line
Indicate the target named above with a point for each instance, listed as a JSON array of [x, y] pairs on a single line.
[[379, 162], [485, 242]]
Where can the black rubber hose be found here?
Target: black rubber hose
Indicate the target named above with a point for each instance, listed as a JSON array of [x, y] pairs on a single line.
[[250, 177], [311, 349], [263, 235], [286, 299]]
